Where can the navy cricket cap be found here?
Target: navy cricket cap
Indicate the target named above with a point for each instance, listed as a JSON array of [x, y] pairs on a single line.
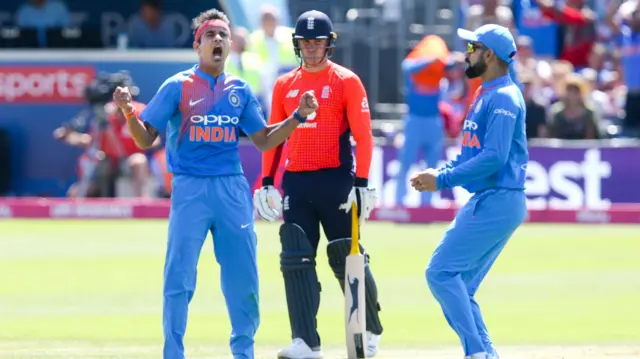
[[313, 24], [495, 37]]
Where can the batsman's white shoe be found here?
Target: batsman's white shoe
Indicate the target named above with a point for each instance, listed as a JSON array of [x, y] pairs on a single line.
[[372, 344], [299, 350]]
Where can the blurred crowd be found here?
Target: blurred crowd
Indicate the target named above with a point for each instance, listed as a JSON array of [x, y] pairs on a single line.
[[586, 92], [590, 90]]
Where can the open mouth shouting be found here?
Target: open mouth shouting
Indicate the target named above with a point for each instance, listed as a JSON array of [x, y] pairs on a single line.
[[217, 53]]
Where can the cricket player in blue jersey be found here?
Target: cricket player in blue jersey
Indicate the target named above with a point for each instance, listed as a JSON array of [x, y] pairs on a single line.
[[202, 109], [492, 166], [423, 125]]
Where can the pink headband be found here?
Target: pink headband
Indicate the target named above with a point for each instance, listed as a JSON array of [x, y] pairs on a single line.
[[209, 24]]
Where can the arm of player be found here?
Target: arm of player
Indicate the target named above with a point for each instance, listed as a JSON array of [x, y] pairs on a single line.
[[271, 158], [410, 66], [267, 200], [359, 117], [271, 136], [450, 164], [503, 113], [145, 127]]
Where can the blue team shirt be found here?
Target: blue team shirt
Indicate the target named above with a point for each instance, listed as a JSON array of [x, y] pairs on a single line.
[[202, 115], [421, 100], [628, 43], [494, 144]]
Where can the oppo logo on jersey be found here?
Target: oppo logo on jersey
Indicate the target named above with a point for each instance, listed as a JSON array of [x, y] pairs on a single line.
[[211, 130], [215, 120]]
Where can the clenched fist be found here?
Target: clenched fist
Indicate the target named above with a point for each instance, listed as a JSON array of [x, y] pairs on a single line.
[[425, 181], [308, 104], [122, 98]]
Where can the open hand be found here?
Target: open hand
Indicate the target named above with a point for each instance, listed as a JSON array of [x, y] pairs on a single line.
[[308, 104]]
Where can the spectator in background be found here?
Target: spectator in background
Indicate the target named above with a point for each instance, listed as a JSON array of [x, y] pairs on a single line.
[[244, 64], [554, 82], [577, 27], [490, 12], [110, 153], [597, 59], [599, 95], [536, 118], [42, 14], [526, 60], [150, 28], [627, 40], [273, 45], [571, 118]]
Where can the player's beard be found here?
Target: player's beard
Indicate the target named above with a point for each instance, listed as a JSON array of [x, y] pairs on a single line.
[[473, 71]]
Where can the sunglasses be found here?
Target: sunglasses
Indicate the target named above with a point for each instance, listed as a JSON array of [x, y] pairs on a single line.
[[471, 47]]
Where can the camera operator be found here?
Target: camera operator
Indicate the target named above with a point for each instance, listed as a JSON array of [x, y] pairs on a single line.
[[110, 151]]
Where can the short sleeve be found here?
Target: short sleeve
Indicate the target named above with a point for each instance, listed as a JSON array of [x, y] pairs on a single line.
[[163, 105], [278, 113], [252, 118]]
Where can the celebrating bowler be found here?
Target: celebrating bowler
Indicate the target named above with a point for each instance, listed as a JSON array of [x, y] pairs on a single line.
[[202, 109]]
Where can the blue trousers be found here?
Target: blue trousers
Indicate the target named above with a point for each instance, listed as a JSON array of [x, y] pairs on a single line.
[[463, 258], [223, 206], [420, 133]]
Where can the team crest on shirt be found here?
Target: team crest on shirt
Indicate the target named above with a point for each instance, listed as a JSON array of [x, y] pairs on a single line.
[[234, 100]]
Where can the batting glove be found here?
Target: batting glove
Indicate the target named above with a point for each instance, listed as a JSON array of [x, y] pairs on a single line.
[[268, 202], [365, 198]]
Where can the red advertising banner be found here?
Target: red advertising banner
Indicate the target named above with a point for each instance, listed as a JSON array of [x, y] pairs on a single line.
[[44, 84]]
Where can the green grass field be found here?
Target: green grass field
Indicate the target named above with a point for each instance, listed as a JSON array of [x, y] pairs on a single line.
[[93, 289]]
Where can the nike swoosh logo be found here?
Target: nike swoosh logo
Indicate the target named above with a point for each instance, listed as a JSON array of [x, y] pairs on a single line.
[[245, 225], [191, 102]]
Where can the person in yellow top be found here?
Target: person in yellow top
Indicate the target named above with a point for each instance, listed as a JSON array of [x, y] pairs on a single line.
[[244, 64], [273, 44]]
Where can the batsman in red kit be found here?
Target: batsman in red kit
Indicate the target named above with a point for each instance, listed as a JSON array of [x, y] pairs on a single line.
[[319, 185]]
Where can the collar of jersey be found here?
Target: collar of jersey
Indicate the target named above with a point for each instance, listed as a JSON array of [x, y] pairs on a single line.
[[502, 80], [212, 80]]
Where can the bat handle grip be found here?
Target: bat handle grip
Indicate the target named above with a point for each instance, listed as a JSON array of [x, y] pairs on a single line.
[[355, 230]]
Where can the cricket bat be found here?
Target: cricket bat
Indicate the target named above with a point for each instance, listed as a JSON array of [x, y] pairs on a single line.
[[354, 293]]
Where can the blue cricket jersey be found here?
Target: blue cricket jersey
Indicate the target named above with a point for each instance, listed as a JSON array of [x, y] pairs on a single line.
[[422, 100], [494, 144], [203, 115], [628, 43]]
